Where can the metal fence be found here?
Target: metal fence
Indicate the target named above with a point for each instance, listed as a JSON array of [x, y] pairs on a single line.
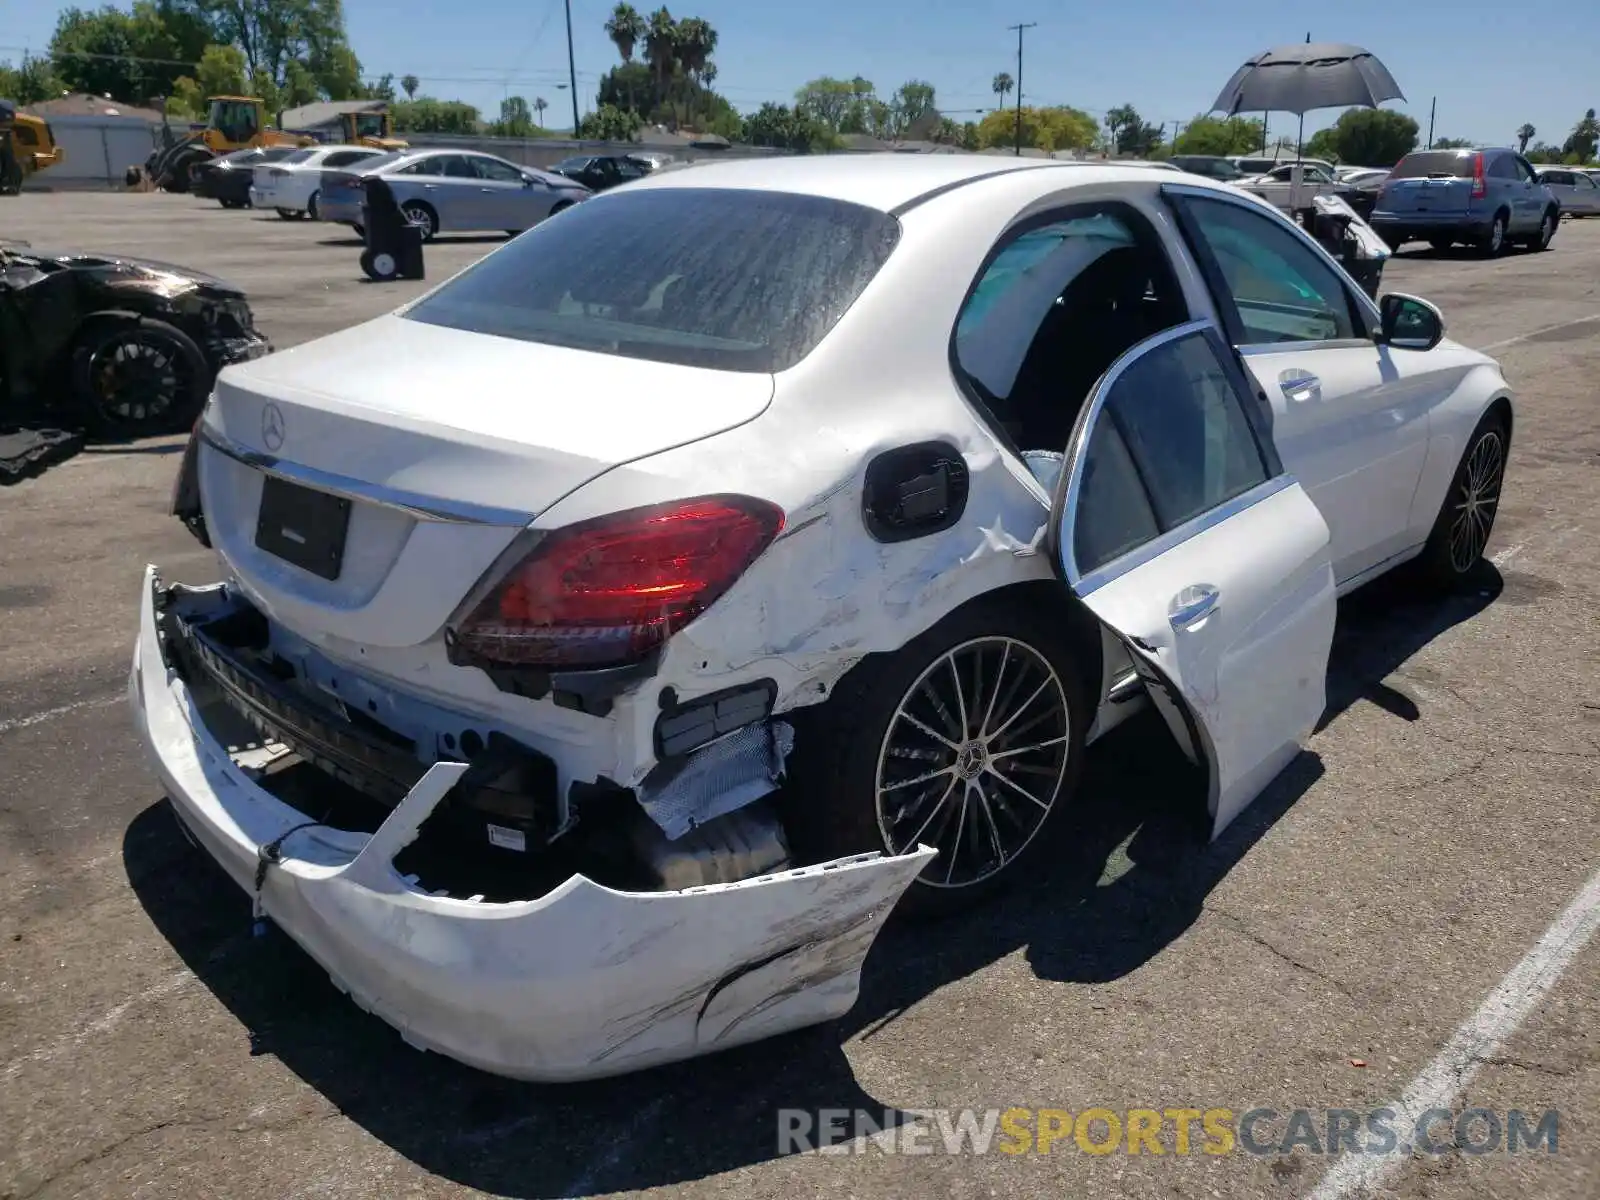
[[97, 152]]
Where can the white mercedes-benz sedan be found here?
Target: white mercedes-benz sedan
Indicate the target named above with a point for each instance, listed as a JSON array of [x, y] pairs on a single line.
[[610, 638]]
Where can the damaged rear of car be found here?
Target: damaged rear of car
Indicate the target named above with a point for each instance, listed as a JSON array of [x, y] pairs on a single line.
[[448, 720]]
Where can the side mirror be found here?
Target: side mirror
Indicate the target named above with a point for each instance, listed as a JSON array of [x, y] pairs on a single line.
[[1409, 323]]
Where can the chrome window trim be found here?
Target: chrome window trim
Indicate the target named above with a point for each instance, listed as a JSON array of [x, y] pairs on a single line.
[[1255, 205], [1072, 480], [414, 504]]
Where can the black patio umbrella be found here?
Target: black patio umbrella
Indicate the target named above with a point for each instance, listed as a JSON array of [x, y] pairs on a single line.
[[1305, 76]]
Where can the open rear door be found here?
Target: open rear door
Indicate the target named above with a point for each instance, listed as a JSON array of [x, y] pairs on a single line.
[[1178, 527]]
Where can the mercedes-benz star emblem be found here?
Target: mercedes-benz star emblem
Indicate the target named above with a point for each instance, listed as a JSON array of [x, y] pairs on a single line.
[[272, 427]]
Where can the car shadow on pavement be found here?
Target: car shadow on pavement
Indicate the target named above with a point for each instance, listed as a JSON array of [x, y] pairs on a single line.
[[1131, 869]]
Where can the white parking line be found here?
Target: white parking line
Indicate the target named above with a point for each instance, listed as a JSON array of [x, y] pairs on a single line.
[[1492, 347], [50, 714], [1479, 1038]]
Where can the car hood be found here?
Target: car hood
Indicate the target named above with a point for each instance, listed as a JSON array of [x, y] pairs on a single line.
[[158, 274]]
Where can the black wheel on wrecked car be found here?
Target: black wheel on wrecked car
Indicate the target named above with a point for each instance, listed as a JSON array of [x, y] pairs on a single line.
[[967, 740], [135, 377]]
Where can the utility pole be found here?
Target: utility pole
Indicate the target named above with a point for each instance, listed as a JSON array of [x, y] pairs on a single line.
[[572, 71], [1019, 28], [1433, 107]]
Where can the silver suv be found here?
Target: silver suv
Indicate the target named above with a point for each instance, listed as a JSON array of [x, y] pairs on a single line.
[[1485, 198]]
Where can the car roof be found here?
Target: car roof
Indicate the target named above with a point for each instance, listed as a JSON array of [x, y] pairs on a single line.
[[886, 181]]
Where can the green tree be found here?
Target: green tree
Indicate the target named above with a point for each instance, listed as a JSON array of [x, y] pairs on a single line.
[[95, 52], [427, 115], [1373, 136], [1002, 87], [516, 119], [1059, 128], [221, 72], [785, 128], [1219, 135], [1525, 134], [626, 29], [912, 112], [409, 85], [1324, 143], [841, 105], [1584, 140], [30, 82], [610, 124], [661, 48], [1451, 144], [539, 105], [1540, 152]]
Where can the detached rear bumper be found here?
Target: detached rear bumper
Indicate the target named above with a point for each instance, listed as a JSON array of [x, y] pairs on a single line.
[[579, 983]]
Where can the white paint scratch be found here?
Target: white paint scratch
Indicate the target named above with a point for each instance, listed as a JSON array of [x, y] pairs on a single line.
[[51, 714], [1494, 347], [1479, 1038]]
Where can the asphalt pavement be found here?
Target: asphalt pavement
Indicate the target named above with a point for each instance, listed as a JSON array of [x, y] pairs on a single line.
[[1379, 921]]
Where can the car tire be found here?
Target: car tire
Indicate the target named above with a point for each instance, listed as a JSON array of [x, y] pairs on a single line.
[[1494, 242], [1465, 522], [288, 214], [360, 231], [875, 730], [1547, 231], [311, 206], [135, 377], [418, 213]]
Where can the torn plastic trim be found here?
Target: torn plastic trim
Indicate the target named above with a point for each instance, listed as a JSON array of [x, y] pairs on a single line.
[[735, 770], [582, 982]]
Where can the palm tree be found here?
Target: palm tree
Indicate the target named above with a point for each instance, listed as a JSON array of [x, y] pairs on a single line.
[[1002, 86], [697, 41], [626, 29], [1524, 136], [410, 84], [539, 105], [663, 49]]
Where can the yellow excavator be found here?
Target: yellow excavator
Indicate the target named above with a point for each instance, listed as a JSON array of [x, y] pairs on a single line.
[[237, 123], [27, 145]]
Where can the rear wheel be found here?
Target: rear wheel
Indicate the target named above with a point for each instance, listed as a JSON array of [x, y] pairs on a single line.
[[136, 377], [311, 206], [288, 214], [968, 740], [418, 213], [1466, 519], [1494, 242]]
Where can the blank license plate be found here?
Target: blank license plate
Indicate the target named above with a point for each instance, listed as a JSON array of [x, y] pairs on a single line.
[[303, 526]]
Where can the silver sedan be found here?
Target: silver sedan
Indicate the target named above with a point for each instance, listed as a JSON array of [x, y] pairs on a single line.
[[1576, 191], [453, 191]]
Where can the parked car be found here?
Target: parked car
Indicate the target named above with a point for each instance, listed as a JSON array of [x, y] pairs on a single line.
[[227, 179], [1485, 198], [292, 186], [121, 346], [1211, 166], [907, 475], [1575, 191], [1277, 188], [452, 191], [1255, 165], [597, 172]]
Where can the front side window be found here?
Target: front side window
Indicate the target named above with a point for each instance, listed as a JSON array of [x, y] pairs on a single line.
[[1280, 289], [1170, 443], [731, 279], [496, 171], [426, 166]]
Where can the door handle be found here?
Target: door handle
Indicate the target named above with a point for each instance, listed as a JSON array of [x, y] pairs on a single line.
[[1300, 385], [1192, 604]]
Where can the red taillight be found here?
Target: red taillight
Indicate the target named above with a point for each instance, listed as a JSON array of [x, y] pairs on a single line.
[[1480, 186], [606, 592]]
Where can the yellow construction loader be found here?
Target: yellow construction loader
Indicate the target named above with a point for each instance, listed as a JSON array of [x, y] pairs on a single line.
[[27, 145]]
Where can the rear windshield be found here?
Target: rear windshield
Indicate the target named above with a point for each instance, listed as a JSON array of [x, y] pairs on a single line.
[[1440, 163], [733, 279]]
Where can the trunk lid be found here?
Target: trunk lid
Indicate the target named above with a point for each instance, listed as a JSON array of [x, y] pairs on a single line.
[[1426, 196], [446, 443]]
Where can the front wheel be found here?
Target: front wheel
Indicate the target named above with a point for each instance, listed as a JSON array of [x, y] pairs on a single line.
[[136, 377], [968, 740], [1547, 230], [311, 206], [1461, 531], [420, 214]]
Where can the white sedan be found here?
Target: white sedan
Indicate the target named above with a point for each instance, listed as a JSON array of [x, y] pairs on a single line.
[[292, 185], [902, 476]]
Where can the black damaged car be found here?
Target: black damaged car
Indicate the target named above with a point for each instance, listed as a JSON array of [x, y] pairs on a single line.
[[123, 347]]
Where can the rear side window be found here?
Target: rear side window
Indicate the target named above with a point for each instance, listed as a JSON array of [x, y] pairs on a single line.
[[343, 158], [298, 156], [732, 279], [1443, 164]]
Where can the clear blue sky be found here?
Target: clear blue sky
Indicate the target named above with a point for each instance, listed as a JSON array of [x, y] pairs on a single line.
[[1490, 70]]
